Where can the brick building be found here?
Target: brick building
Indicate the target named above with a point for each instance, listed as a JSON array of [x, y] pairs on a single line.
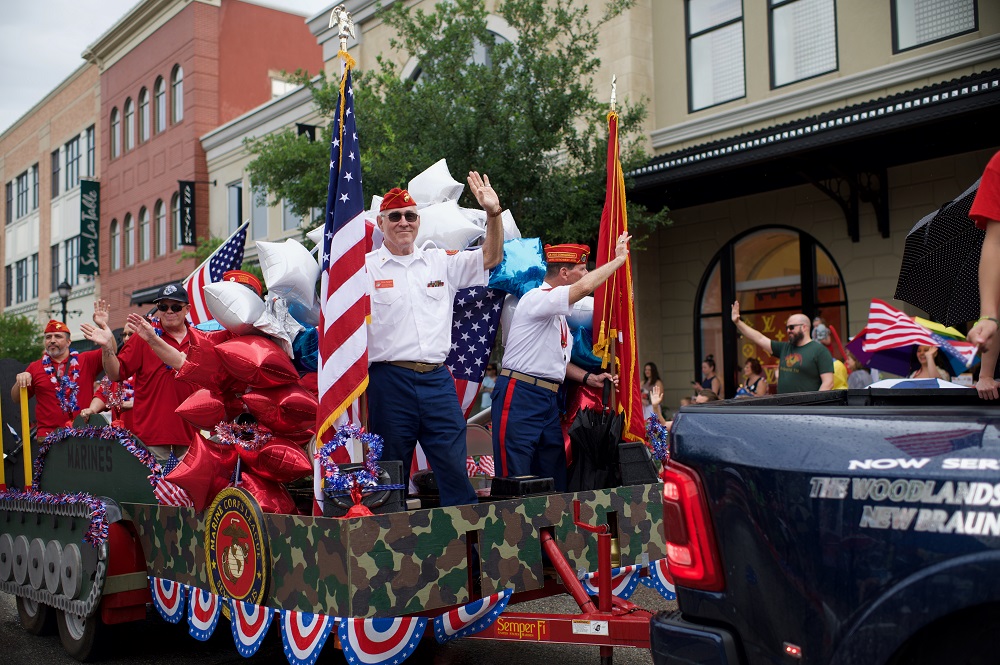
[[171, 71]]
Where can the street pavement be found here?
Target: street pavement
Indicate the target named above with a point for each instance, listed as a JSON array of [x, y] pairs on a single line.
[[155, 642]]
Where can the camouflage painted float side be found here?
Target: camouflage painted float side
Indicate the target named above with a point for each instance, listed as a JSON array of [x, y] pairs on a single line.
[[173, 540]]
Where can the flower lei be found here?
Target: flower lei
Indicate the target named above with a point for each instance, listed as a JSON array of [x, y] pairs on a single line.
[[66, 386], [115, 397], [658, 435], [96, 535], [364, 479]]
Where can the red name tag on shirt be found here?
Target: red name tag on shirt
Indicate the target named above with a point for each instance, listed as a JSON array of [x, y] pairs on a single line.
[[383, 283]]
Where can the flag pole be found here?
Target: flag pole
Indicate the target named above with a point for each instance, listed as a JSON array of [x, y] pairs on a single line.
[[613, 346]]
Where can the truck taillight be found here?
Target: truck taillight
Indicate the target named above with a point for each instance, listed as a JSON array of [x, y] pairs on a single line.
[[691, 551]]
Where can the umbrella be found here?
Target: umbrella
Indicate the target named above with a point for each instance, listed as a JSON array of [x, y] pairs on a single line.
[[899, 361], [594, 436], [940, 271]]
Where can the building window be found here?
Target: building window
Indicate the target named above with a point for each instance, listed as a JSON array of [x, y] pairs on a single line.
[[129, 125], [258, 214], [34, 275], [128, 240], [73, 261], [715, 52], [803, 40], [116, 133], [175, 212], [9, 282], [235, 193], [773, 272], [116, 261], [55, 173], [21, 280], [177, 94], [91, 153], [159, 229], [10, 203], [920, 22], [22, 195], [34, 187], [144, 123], [160, 105], [289, 222], [143, 234], [54, 260], [280, 87], [72, 163]]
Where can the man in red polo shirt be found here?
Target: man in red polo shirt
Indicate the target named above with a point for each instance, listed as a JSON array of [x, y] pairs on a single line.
[[158, 391], [62, 382]]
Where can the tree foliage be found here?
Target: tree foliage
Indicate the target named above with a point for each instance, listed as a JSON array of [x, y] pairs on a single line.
[[20, 338], [524, 113]]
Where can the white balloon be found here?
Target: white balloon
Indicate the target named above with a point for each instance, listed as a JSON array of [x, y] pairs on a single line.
[[583, 313], [435, 185], [444, 225], [507, 315], [290, 271], [478, 217], [234, 306]]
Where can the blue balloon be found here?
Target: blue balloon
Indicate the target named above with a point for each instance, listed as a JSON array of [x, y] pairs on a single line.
[[522, 268], [306, 348], [209, 326], [583, 350]]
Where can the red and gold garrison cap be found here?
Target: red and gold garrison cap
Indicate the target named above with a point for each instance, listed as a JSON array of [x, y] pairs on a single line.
[[396, 198], [56, 326], [241, 277], [566, 253]]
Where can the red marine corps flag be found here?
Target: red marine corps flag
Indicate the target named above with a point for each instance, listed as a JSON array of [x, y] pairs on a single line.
[[614, 310]]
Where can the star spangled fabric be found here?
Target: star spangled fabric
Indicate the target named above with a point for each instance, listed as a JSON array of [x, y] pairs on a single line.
[[168, 598], [475, 320], [229, 256], [471, 618], [380, 641]]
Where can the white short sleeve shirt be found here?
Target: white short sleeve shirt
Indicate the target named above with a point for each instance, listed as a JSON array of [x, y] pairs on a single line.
[[412, 299], [539, 341]]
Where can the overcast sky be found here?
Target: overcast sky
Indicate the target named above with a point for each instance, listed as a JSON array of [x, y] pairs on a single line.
[[41, 42]]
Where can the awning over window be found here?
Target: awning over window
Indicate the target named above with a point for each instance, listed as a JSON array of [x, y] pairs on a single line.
[[145, 295]]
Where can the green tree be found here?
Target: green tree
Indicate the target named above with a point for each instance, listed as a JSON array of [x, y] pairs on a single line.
[[524, 113], [20, 338]]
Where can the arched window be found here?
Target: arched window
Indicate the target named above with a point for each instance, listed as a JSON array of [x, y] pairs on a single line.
[[116, 255], [159, 229], [128, 240], [175, 213], [177, 93], [144, 234], [144, 120], [129, 124], [774, 272], [159, 105], [116, 133]]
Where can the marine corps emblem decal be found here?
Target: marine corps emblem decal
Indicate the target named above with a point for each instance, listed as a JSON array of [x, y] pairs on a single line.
[[236, 548]]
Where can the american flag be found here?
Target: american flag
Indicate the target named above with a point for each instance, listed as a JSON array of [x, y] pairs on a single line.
[[475, 321], [932, 444], [889, 328], [343, 336], [169, 494], [229, 256]]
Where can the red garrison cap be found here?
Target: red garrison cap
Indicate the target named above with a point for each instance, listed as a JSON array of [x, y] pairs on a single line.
[[396, 198], [56, 326], [243, 278], [566, 253]]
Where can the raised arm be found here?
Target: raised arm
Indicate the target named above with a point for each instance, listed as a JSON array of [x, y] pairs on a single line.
[[592, 280], [168, 354], [104, 338], [488, 199], [755, 336]]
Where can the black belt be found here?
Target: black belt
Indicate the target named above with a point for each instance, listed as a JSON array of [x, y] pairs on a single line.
[[420, 368], [533, 380]]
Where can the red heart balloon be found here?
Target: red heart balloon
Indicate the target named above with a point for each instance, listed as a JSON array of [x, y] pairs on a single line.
[[203, 408], [271, 496], [257, 361], [288, 408], [205, 470], [282, 461]]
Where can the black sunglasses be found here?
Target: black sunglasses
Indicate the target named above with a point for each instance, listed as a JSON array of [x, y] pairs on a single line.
[[395, 216], [794, 326], [173, 308]]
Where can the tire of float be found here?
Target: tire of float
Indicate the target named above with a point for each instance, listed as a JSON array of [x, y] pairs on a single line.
[[78, 634], [36, 618]]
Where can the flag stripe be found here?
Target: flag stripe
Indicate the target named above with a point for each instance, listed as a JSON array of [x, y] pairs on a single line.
[[228, 256]]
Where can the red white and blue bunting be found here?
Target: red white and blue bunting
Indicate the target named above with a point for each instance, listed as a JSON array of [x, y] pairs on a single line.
[[380, 641], [203, 613], [624, 580], [249, 623], [304, 635], [472, 618], [168, 599], [660, 579]]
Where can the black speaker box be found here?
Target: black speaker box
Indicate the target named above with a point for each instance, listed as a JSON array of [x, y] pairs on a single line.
[[636, 464], [503, 488], [382, 501]]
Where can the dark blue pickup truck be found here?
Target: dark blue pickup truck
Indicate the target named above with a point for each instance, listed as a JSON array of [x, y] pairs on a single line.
[[845, 527]]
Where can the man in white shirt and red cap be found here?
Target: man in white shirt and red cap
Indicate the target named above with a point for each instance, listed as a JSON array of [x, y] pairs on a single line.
[[411, 394], [527, 436]]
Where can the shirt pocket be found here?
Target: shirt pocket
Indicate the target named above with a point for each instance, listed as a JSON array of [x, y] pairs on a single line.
[[436, 289], [387, 308]]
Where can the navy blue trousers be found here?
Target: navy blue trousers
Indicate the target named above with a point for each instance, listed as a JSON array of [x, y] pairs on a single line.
[[527, 436], [405, 407]]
